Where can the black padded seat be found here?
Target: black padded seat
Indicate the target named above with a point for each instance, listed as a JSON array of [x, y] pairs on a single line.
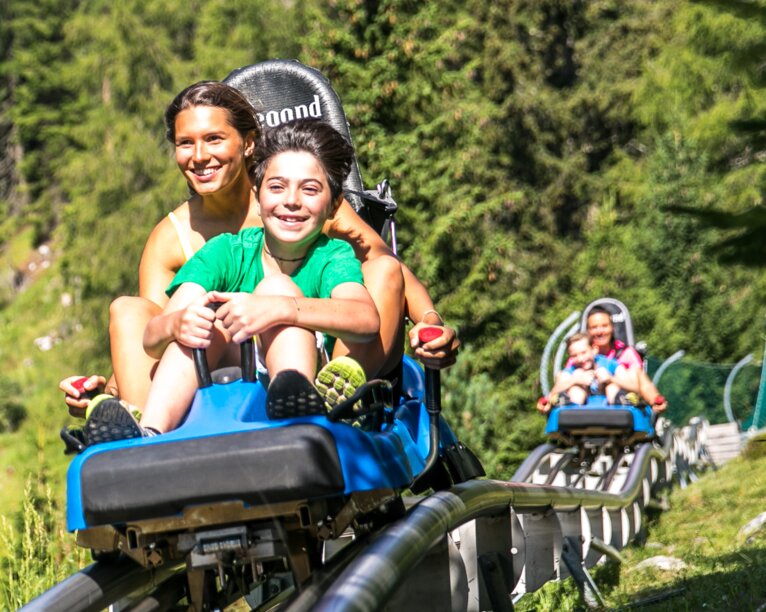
[[607, 419], [257, 467]]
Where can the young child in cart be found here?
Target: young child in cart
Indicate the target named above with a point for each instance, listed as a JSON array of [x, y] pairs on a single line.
[[588, 374]]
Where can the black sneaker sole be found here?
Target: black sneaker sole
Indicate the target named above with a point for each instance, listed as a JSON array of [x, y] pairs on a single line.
[[110, 421], [291, 395]]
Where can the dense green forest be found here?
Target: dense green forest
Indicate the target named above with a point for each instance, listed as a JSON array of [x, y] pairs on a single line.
[[542, 154]]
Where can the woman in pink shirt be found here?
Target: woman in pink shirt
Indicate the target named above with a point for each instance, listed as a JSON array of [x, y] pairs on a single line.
[[601, 330]]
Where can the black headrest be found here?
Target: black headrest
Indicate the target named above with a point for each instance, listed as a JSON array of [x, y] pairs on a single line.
[[283, 90], [623, 325]]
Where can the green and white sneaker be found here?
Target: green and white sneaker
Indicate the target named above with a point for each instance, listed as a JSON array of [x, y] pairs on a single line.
[[338, 380], [104, 396], [627, 398], [110, 419]]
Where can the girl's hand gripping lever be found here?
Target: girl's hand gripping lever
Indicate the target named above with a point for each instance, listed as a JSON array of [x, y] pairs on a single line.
[[247, 357]]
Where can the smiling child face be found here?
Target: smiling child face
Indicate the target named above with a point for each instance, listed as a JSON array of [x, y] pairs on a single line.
[[295, 200], [582, 354]]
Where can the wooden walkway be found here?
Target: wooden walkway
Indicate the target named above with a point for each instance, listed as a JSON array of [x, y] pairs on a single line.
[[724, 442]]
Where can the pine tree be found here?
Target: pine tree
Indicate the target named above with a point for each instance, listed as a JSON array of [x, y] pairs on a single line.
[[742, 219], [494, 123], [38, 96]]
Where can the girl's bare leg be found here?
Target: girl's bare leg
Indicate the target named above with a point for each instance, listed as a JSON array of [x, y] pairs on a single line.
[[286, 347], [611, 393], [385, 282], [175, 383], [647, 389], [577, 395]]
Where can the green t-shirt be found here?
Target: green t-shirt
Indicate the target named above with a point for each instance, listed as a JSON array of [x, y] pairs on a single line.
[[232, 262]]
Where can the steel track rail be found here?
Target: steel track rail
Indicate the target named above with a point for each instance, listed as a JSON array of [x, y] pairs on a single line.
[[372, 577], [99, 585]]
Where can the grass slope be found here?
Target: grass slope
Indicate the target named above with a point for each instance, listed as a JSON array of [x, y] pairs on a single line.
[[35, 448], [724, 571]]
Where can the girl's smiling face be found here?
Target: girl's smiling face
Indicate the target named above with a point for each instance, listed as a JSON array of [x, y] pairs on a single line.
[[295, 201], [210, 152]]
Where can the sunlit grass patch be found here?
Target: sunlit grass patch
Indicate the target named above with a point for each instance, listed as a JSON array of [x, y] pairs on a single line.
[[35, 552]]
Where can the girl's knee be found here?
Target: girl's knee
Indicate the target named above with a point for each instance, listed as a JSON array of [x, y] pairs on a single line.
[[577, 395], [611, 392], [385, 271], [278, 284], [121, 306]]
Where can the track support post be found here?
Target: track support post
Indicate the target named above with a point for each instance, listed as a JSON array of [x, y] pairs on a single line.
[[571, 555], [491, 570]]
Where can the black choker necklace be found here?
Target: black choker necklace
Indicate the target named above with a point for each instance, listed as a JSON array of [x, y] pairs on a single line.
[[288, 259]]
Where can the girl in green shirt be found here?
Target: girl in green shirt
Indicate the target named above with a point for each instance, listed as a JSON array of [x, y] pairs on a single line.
[[281, 284]]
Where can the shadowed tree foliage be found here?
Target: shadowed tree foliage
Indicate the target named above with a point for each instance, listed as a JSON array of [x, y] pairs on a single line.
[[742, 231], [39, 96]]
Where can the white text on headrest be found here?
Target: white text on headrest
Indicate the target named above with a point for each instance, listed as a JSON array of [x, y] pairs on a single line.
[[301, 111]]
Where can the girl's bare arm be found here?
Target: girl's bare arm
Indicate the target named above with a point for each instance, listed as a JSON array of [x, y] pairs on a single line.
[[185, 318]]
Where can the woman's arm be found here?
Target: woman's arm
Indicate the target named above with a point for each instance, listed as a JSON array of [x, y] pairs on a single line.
[[626, 378], [651, 393], [565, 380], [368, 245], [647, 389], [440, 352], [186, 318], [161, 259], [347, 225], [420, 307]]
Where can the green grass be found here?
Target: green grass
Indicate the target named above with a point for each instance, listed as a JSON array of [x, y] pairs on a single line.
[[38, 312], [35, 553], [723, 572], [19, 248], [35, 549]]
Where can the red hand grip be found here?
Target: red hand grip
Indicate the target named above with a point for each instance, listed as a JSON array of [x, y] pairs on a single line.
[[79, 384], [660, 399], [543, 400], [427, 334]]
